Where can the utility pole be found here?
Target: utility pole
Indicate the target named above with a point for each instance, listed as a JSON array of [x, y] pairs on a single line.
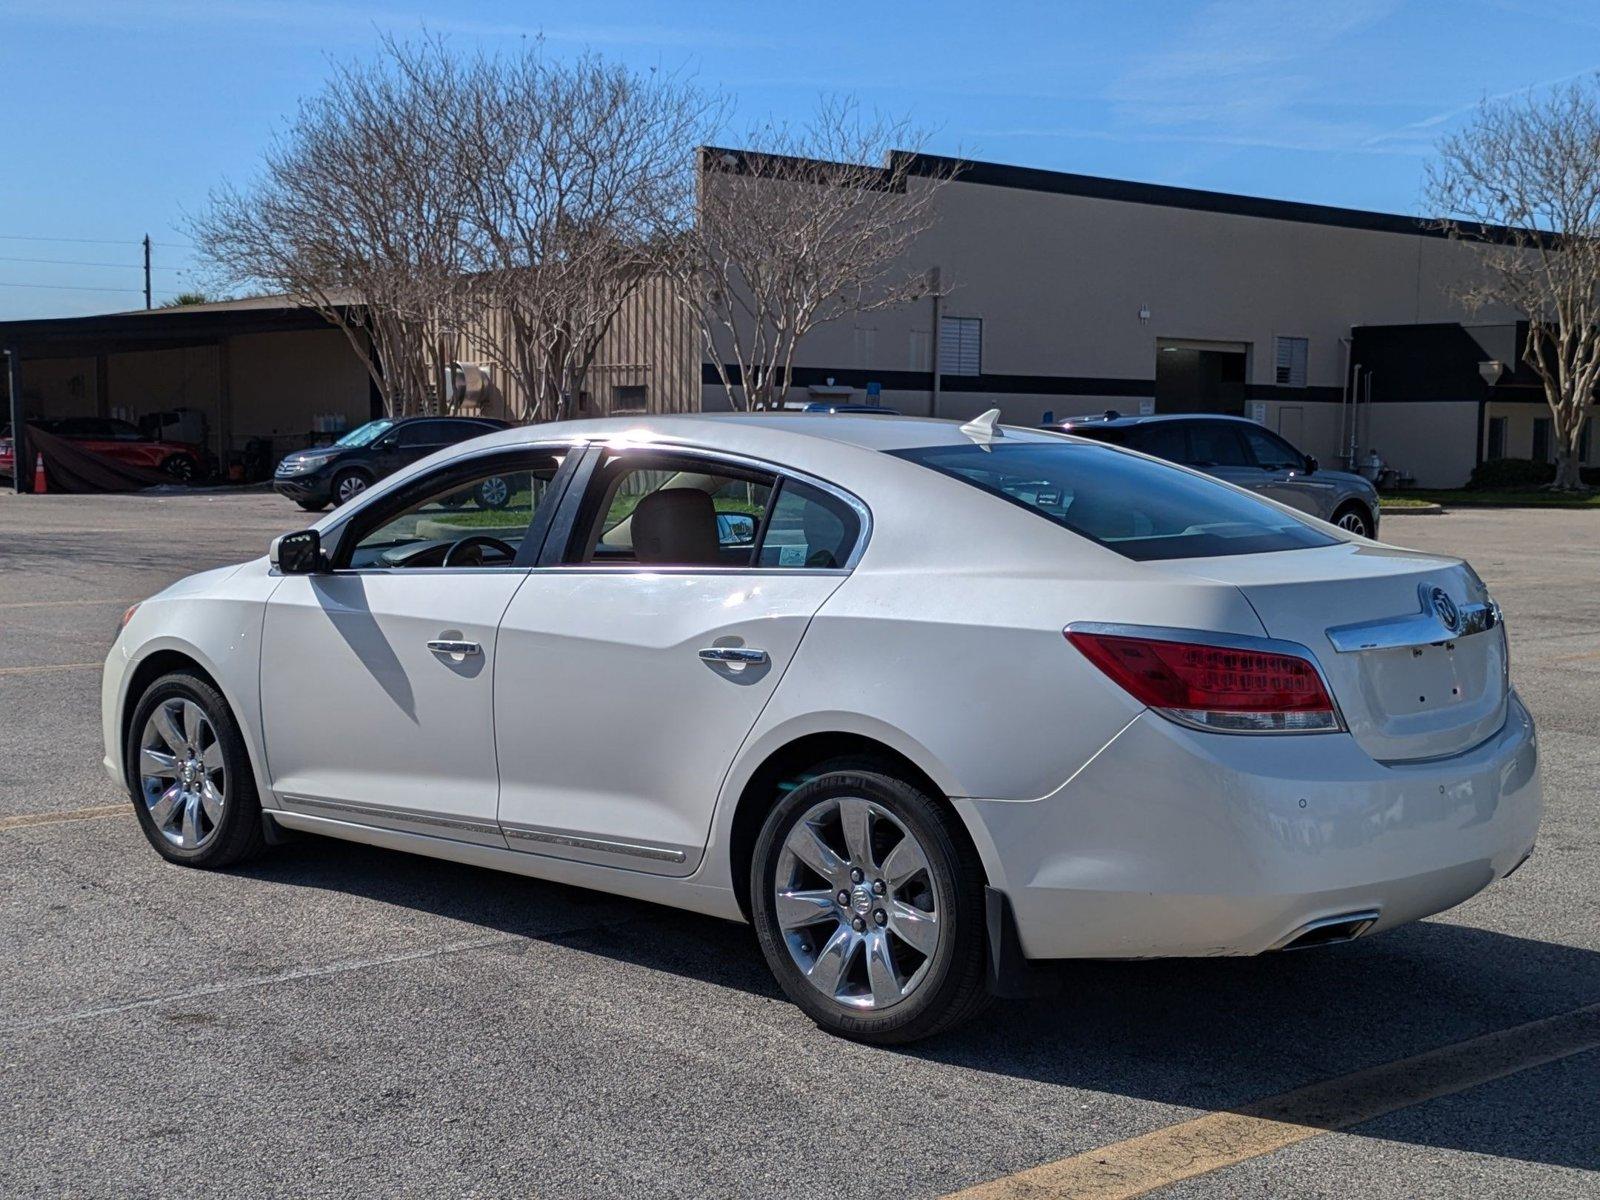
[[147, 270]]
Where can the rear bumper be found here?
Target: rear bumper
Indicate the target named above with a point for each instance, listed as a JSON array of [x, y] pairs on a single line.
[[1172, 842]]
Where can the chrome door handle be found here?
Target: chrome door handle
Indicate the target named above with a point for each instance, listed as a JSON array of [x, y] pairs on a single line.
[[738, 655], [446, 646]]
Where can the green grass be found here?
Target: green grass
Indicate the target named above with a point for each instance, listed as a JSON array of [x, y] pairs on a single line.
[[1496, 498], [1406, 501]]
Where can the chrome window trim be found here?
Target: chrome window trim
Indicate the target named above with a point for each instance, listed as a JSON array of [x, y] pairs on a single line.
[[1229, 641], [750, 462]]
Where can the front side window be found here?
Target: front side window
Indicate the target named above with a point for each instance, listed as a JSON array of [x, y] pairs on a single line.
[[1272, 453], [1143, 510], [477, 520]]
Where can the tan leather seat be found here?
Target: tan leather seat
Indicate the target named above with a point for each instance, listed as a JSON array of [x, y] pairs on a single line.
[[678, 525]]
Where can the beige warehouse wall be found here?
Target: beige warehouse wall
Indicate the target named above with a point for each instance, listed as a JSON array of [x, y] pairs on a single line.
[[279, 381], [58, 387], [1435, 441]]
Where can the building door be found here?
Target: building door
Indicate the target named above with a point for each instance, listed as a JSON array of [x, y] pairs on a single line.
[[1541, 440], [1206, 377]]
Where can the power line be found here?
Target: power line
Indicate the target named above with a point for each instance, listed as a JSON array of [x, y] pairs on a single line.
[[73, 262], [67, 287], [24, 237]]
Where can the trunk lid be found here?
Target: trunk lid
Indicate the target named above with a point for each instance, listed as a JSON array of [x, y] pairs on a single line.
[[1410, 643]]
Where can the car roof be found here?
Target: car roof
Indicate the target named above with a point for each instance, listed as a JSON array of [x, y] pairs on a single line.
[[768, 432], [1122, 422]]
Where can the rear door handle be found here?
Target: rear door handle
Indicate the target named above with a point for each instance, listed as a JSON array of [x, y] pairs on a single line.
[[738, 655], [446, 646]]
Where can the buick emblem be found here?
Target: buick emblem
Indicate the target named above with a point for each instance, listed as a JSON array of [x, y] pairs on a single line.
[[1445, 608]]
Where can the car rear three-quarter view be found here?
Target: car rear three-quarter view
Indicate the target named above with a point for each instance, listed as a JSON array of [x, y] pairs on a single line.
[[923, 702]]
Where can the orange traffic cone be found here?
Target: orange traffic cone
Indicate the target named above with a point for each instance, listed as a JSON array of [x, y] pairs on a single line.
[[39, 487]]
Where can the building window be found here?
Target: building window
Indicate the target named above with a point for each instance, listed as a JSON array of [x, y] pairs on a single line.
[[1541, 440], [1583, 440], [961, 345], [1291, 355], [629, 398], [1497, 438], [866, 346]]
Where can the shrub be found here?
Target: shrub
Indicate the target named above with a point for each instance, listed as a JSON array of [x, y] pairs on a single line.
[[1511, 473]]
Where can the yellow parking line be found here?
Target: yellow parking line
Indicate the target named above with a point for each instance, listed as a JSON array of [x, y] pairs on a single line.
[[46, 667], [61, 603], [22, 820], [1165, 1156]]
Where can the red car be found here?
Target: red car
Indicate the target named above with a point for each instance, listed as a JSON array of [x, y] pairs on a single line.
[[116, 440]]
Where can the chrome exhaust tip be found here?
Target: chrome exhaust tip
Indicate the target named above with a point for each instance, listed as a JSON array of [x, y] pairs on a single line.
[[1329, 931]]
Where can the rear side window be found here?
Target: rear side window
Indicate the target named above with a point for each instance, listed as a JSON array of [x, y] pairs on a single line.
[[808, 528], [1143, 510]]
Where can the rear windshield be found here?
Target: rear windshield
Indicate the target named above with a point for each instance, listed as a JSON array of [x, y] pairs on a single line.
[[1141, 509]]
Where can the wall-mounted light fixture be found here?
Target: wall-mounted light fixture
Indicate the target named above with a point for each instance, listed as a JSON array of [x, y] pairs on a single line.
[[1491, 369], [1144, 314]]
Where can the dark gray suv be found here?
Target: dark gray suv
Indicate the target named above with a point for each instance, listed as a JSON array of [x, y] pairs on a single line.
[[1242, 452]]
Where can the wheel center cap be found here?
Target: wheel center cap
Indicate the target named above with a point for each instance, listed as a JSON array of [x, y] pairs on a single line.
[[861, 899]]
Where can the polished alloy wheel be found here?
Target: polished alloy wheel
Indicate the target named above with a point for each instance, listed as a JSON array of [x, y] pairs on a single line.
[[182, 775], [494, 492], [1354, 522], [855, 896], [350, 487]]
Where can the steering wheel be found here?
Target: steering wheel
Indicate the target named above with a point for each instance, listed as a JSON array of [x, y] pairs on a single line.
[[477, 541]]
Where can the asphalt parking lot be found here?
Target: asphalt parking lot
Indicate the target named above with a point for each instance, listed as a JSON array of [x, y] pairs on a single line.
[[338, 1020]]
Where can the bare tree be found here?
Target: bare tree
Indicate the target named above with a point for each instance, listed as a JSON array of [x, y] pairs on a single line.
[[354, 215], [810, 225], [579, 176], [1522, 182]]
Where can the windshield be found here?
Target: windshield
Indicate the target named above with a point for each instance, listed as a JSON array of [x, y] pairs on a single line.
[[1141, 509], [365, 435]]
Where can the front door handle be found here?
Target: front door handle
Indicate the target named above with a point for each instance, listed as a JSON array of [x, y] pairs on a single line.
[[446, 646], [738, 655]]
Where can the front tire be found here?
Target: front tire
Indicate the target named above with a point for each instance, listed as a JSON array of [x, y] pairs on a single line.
[[347, 485], [868, 903], [189, 775]]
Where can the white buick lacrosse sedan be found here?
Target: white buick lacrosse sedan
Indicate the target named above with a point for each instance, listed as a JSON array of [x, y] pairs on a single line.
[[924, 703]]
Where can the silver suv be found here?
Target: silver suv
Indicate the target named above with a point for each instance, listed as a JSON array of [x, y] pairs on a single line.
[[1243, 453]]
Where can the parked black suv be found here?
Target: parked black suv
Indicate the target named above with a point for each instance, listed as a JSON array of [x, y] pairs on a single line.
[[342, 471]]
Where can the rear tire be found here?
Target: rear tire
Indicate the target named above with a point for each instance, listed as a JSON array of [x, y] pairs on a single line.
[[1352, 518], [312, 505], [180, 467], [188, 774], [890, 964]]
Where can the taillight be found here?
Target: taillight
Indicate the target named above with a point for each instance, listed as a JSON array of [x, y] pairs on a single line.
[[1228, 689]]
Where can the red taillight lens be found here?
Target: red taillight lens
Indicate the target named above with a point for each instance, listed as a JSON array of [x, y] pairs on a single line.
[[1224, 688]]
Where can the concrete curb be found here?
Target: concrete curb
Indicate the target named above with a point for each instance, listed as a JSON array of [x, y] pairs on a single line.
[[1412, 510]]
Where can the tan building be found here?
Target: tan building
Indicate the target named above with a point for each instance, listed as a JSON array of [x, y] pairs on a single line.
[[1068, 294]]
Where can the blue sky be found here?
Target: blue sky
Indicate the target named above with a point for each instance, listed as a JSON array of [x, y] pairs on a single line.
[[119, 115]]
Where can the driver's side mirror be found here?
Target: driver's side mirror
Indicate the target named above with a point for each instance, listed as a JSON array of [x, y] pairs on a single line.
[[387, 442], [298, 553], [1311, 464]]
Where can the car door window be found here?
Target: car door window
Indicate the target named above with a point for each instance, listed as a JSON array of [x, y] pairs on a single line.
[[1273, 453], [809, 528], [477, 520], [421, 435], [672, 510], [1216, 444], [1162, 439]]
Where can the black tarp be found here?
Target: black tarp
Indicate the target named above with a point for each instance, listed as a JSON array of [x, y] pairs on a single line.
[[68, 467]]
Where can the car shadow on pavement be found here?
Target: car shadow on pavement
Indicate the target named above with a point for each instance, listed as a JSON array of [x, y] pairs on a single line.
[[1207, 1034]]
